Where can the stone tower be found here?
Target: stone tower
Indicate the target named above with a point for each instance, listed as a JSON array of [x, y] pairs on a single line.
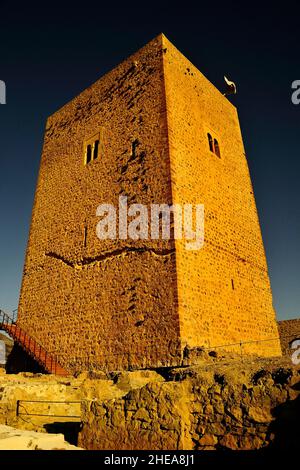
[[155, 130]]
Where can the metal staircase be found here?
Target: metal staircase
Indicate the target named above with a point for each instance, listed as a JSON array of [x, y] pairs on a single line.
[[30, 345]]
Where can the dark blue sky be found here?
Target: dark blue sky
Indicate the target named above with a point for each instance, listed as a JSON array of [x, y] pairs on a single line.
[[50, 52]]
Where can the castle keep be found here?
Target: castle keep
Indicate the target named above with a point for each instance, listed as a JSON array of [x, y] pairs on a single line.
[[155, 130]]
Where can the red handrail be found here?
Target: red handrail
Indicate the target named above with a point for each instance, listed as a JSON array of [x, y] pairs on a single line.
[[30, 345]]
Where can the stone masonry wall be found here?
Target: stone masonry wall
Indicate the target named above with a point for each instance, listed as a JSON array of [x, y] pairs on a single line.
[[109, 303], [117, 304], [224, 290], [233, 407], [289, 330]]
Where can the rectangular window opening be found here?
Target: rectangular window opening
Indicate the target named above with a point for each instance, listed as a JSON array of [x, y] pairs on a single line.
[[88, 154], [92, 148], [96, 149]]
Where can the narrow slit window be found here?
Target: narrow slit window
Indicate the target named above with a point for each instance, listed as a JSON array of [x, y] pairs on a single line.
[[134, 145], [88, 154], [217, 148], [96, 149], [232, 284], [84, 236], [210, 142]]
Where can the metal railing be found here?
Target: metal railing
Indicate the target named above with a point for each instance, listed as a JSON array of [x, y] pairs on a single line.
[[21, 409], [48, 361], [155, 356], [15, 315]]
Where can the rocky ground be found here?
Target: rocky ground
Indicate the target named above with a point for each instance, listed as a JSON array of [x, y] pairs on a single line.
[[16, 439], [47, 403], [224, 402], [230, 405]]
